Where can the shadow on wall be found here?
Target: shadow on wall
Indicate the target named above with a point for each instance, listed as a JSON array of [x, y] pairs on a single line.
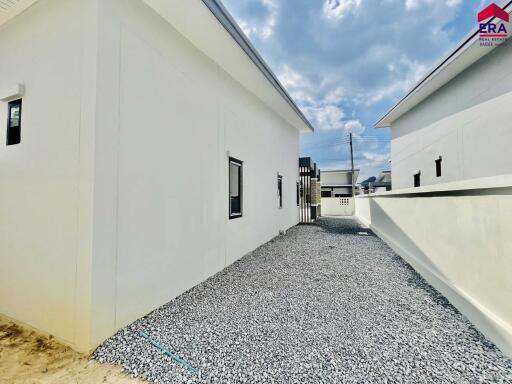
[[400, 240]]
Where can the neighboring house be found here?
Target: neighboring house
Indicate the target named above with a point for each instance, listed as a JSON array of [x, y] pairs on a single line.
[[336, 192], [337, 183], [120, 113], [455, 124], [382, 183]]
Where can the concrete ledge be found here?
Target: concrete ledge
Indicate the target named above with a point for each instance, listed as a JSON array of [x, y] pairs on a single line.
[[14, 92], [484, 184]]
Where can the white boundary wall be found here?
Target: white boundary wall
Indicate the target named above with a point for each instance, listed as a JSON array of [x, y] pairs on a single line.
[[337, 206], [458, 236]]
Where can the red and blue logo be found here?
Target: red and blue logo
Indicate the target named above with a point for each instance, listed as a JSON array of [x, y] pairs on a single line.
[[493, 22]]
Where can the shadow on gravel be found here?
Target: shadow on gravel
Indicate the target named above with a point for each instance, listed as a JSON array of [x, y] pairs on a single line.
[[341, 226]]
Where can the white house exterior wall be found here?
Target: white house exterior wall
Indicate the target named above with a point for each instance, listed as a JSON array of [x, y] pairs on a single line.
[[116, 200], [170, 119], [335, 178], [46, 180], [467, 123]]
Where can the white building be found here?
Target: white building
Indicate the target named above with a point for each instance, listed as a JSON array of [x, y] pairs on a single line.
[[382, 183], [451, 136], [454, 125], [336, 192], [129, 108], [337, 183]]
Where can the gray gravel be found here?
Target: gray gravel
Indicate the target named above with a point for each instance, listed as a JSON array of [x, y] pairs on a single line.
[[321, 304]]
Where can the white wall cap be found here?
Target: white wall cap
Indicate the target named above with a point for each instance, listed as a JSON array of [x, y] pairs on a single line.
[[501, 181]]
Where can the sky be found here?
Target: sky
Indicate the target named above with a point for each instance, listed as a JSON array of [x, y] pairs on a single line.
[[347, 62]]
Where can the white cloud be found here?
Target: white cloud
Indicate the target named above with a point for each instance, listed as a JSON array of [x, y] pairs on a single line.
[[403, 72], [290, 78], [335, 96], [354, 126], [325, 112], [265, 29], [415, 4], [326, 117], [376, 158], [337, 9]]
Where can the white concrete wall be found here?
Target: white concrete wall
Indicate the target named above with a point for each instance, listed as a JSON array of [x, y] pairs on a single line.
[[467, 122], [167, 116], [335, 178], [460, 243], [46, 180], [103, 210], [337, 206]]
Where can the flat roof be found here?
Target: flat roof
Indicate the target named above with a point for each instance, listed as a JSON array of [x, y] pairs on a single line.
[[341, 171], [467, 52]]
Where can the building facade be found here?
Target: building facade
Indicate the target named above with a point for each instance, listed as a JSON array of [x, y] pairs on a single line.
[[337, 190], [120, 113], [338, 183], [455, 124]]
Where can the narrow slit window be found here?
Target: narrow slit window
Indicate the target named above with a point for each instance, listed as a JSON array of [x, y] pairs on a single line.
[[439, 163], [279, 191], [298, 194], [14, 122], [235, 188], [417, 179]]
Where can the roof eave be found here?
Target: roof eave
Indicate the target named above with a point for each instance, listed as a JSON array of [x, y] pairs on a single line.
[[461, 49], [231, 26]]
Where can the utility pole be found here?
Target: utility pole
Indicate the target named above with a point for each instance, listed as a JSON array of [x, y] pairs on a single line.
[[352, 161]]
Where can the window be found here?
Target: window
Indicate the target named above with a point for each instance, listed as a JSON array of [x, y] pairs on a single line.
[[14, 122], [235, 188], [417, 180], [439, 166], [326, 193], [298, 194], [279, 191]]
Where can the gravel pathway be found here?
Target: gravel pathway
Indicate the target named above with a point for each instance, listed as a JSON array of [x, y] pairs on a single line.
[[321, 304]]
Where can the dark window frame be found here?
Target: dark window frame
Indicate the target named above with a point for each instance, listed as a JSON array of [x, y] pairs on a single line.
[[279, 191], [439, 167], [298, 194], [417, 179], [13, 136], [240, 165]]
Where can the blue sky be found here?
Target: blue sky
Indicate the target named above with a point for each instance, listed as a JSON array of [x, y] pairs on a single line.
[[346, 62]]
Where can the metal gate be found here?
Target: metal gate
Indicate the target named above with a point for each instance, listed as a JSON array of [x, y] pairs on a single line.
[[307, 172]]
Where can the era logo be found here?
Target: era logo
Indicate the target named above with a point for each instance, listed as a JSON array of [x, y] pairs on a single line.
[[493, 28]]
